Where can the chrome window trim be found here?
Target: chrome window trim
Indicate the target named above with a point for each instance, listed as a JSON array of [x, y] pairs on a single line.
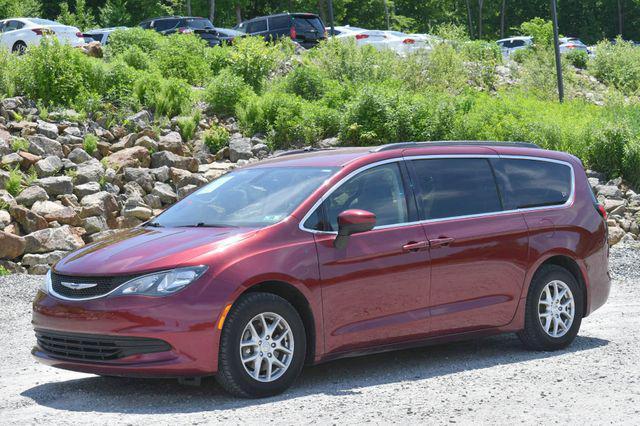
[[567, 203]]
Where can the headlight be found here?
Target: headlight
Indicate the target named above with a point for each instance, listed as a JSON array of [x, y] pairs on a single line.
[[46, 283], [161, 283]]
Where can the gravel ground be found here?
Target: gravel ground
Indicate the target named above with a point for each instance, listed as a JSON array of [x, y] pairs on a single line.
[[493, 380]]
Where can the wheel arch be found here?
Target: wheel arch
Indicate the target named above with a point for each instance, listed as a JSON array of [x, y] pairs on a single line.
[[300, 303], [571, 265]]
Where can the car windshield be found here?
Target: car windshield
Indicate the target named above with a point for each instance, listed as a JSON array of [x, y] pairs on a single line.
[[43, 21], [254, 197], [308, 24], [199, 24]]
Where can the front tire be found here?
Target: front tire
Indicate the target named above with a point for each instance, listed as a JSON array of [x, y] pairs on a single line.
[[554, 310], [19, 47], [262, 346]]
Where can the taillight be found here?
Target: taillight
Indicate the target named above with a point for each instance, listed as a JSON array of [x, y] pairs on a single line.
[[185, 30], [361, 36], [408, 41], [38, 31], [292, 33], [79, 34], [570, 46], [600, 208]]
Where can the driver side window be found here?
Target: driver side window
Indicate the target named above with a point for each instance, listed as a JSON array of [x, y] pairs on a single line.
[[379, 190]]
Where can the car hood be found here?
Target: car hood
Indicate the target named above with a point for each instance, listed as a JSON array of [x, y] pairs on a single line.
[[146, 249]]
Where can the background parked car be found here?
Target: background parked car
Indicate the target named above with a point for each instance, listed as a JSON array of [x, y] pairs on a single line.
[[568, 44], [167, 25], [511, 44], [306, 29], [343, 30], [100, 35], [18, 33]]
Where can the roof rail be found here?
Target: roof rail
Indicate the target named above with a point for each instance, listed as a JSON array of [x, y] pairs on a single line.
[[405, 145], [301, 151]]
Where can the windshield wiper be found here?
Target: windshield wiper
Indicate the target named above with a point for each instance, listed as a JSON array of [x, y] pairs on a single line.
[[153, 224], [207, 225]]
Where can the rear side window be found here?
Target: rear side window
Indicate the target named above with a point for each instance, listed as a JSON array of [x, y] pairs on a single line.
[[379, 190], [164, 24], [279, 22], [454, 187], [199, 24], [308, 24], [527, 183]]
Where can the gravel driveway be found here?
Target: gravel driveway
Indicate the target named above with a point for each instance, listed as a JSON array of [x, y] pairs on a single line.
[[494, 380]]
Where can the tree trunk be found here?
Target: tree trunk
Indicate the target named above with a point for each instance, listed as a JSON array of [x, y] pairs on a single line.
[[188, 7], [386, 14], [212, 10], [480, 3], [502, 17], [469, 19], [238, 13], [620, 18], [323, 15]]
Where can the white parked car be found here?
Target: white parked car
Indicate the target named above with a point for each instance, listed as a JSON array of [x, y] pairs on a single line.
[[568, 44], [100, 34], [376, 38], [511, 44], [409, 43], [18, 33], [343, 30]]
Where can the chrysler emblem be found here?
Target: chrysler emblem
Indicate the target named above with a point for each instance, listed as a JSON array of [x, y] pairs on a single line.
[[78, 286]]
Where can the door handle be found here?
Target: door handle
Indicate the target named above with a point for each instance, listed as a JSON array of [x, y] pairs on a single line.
[[441, 242], [414, 246]]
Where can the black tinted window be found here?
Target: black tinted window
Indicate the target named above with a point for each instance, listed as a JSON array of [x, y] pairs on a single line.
[[311, 24], [165, 24], [455, 187], [279, 22], [532, 183], [257, 26], [517, 43], [199, 24], [379, 190]]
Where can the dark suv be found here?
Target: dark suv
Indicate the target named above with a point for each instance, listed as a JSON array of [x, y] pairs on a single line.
[[187, 24], [305, 29], [309, 257]]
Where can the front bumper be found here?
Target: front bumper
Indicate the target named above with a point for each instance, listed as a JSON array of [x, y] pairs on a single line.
[[187, 328]]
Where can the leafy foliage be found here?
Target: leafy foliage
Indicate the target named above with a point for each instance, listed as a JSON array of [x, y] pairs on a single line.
[[13, 185], [224, 92], [90, 143], [216, 138]]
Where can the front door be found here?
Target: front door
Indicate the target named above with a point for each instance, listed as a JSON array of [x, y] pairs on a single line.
[[478, 252], [375, 290]]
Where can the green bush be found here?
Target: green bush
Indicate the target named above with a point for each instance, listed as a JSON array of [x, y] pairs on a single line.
[[20, 144], [607, 149], [137, 58], [224, 92], [13, 185], [122, 40], [166, 97], [4, 271], [90, 143], [306, 82], [118, 82], [189, 125], [617, 65], [371, 118], [216, 138], [218, 58], [482, 57], [577, 58], [254, 59], [183, 56], [445, 68], [8, 66], [540, 29]]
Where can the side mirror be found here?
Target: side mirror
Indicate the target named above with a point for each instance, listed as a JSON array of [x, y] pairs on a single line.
[[353, 222]]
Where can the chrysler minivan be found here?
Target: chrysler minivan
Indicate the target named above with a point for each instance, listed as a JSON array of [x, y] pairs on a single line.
[[313, 256]]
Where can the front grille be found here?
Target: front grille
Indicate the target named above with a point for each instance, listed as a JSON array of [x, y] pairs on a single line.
[[103, 285], [88, 347]]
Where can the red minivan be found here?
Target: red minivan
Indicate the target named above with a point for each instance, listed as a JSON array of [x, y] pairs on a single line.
[[313, 256]]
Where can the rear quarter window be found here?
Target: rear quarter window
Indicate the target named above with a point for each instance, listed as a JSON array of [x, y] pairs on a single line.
[[257, 26], [525, 183], [279, 22]]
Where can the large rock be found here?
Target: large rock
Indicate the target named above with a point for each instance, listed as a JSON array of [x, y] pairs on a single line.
[[147, 142], [143, 177], [47, 129], [95, 224], [136, 156], [79, 155], [11, 160], [104, 200], [54, 212], [52, 239], [169, 159], [56, 185], [43, 146], [5, 218], [29, 221], [139, 120], [85, 189], [43, 259], [48, 166], [11, 246], [165, 193], [609, 191], [615, 235], [30, 195], [183, 178], [240, 149], [172, 141], [90, 171]]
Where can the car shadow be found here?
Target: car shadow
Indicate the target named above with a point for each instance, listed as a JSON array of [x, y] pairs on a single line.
[[338, 378]]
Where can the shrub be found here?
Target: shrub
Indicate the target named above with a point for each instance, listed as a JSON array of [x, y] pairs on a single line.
[[577, 58], [90, 143], [8, 65], [137, 58], [306, 82], [13, 185], [20, 144], [370, 118], [4, 271], [218, 58], [216, 138], [607, 148], [122, 40], [118, 82], [183, 56], [189, 125], [445, 68], [224, 92], [166, 97], [540, 29], [483, 58], [254, 59], [617, 65]]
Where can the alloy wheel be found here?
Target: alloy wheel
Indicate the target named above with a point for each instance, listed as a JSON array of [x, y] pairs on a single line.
[[556, 308]]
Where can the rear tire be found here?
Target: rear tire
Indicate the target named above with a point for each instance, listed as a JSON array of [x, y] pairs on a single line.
[[554, 310], [19, 47], [278, 350]]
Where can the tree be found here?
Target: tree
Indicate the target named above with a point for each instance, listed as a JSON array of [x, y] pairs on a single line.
[[212, 10], [115, 13], [480, 5], [81, 18], [12, 8], [503, 11]]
